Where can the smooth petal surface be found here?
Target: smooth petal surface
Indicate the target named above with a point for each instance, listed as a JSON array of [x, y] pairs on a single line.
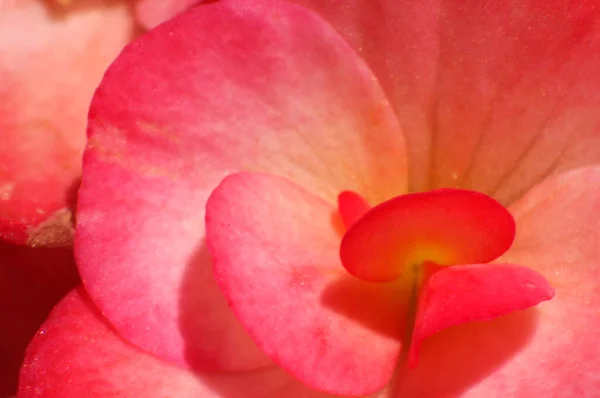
[[76, 354], [492, 96], [51, 60], [445, 226], [274, 249], [150, 13], [32, 281], [271, 88], [551, 349], [474, 292]]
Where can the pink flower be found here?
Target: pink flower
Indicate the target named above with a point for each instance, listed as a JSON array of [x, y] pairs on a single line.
[[218, 145]]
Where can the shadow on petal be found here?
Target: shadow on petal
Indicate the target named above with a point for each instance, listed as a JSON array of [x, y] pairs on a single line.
[[459, 357], [381, 307], [214, 338]]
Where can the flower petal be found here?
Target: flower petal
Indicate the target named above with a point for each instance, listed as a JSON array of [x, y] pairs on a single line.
[[552, 348], [76, 354], [274, 249], [176, 113], [50, 63], [445, 226], [32, 281], [492, 96], [474, 292]]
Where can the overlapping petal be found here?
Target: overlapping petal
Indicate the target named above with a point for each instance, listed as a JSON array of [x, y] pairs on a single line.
[[51, 59], [77, 354], [32, 281], [275, 252], [272, 88], [544, 351], [492, 96]]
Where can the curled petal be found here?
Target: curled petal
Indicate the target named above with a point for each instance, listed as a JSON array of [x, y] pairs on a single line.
[[445, 226], [474, 292]]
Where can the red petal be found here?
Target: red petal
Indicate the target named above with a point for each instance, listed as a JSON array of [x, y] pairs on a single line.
[[446, 226], [492, 96], [32, 281], [475, 292], [51, 62], [551, 350], [270, 87], [274, 248], [77, 354]]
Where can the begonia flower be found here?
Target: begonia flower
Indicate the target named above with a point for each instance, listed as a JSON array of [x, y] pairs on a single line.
[[339, 199]]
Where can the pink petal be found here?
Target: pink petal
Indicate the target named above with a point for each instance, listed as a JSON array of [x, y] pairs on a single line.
[[76, 354], [32, 281], [474, 292], [275, 253], [445, 226], [150, 13], [551, 350], [50, 63], [177, 112], [493, 96]]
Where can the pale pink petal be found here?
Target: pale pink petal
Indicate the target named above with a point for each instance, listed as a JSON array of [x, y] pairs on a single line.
[[51, 60], [275, 253], [76, 354], [271, 88], [551, 350], [492, 95], [150, 13], [32, 281]]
